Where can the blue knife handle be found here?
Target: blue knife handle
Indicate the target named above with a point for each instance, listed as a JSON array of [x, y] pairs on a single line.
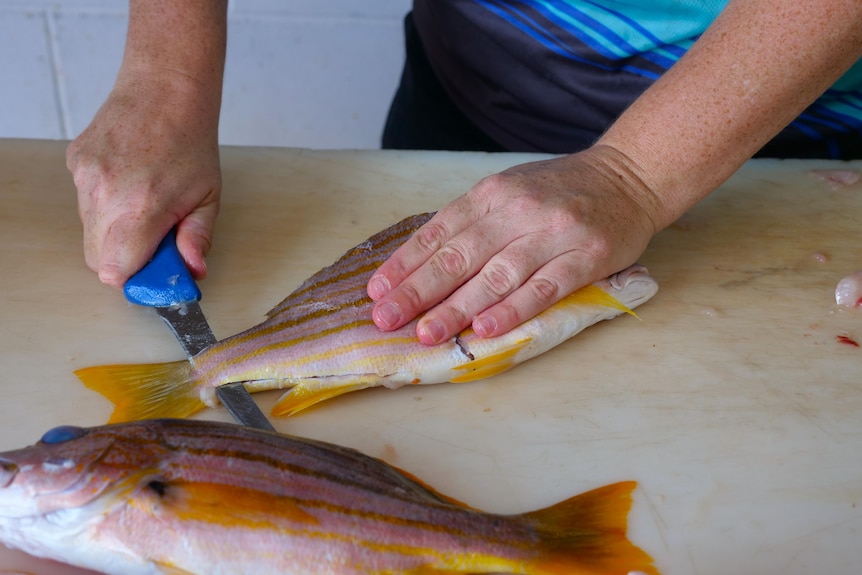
[[164, 281]]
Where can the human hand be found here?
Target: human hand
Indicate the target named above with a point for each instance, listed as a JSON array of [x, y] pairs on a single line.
[[143, 166], [515, 244]]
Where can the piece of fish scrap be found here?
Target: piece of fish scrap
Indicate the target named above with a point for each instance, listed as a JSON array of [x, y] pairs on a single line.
[[321, 342], [187, 497]]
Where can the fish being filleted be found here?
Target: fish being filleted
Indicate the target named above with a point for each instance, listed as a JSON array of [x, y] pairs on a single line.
[[185, 497], [321, 342]]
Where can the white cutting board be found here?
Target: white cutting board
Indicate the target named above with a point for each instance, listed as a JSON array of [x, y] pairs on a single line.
[[733, 401]]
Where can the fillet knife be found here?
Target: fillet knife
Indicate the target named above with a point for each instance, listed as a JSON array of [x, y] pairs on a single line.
[[165, 284]]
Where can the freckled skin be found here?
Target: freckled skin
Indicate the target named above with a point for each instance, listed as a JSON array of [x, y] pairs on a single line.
[[534, 233]]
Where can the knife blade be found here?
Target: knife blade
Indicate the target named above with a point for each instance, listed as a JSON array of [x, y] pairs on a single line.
[[166, 285]]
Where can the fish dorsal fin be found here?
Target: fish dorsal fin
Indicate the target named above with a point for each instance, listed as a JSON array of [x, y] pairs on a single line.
[[344, 282], [431, 491], [491, 365]]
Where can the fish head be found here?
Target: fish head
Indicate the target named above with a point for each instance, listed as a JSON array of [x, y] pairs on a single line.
[[59, 496], [70, 467], [631, 286]]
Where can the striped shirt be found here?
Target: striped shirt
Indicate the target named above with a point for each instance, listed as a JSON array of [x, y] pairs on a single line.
[[552, 75]]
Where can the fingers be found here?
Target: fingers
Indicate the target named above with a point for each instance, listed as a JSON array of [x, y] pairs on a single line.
[[124, 249], [547, 286], [513, 246], [123, 225], [423, 270], [194, 238], [494, 263], [427, 241], [516, 284], [131, 194]]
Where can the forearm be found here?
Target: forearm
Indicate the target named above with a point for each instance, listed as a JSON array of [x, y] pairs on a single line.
[[176, 49], [757, 68]]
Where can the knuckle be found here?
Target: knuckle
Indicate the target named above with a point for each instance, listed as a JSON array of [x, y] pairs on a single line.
[[455, 317], [599, 249], [410, 295], [508, 316], [498, 280], [493, 182], [545, 292], [451, 262], [430, 237]]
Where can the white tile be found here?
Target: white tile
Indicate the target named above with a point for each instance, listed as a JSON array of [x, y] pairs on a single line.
[[28, 102], [315, 80], [310, 82], [90, 47]]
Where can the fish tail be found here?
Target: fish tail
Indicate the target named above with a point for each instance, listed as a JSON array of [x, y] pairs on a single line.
[[145, 391], [587, 535]]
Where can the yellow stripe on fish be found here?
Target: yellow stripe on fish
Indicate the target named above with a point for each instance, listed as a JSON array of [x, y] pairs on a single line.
[[202, 497], [321, 342]]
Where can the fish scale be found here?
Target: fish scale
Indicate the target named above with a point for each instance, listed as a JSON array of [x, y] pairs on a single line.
[[208, 498], [320, 342]]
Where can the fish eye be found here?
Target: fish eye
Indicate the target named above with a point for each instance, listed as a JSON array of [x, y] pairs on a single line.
[[62, 433]]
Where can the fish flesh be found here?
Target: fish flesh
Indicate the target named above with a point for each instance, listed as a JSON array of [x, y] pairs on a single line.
[[848, 292], [321, 342], [189, 497]]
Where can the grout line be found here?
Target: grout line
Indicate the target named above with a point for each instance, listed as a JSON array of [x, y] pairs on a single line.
[[61, 98]]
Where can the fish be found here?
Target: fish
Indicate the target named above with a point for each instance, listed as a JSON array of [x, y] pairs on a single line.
[[320, 342], [194, 497]]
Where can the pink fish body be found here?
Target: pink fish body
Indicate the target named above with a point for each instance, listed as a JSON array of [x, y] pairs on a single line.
[[183, 497], [321, 342]]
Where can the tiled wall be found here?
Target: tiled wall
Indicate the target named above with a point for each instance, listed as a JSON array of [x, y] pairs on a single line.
[[308, 73]]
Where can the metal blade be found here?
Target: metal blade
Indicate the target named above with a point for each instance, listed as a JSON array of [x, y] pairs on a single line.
[[239, 403], [191, 329], [189, 325]]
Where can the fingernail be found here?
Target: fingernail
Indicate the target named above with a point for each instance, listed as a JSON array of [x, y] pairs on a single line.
[[388, 314], [378, 287], [485, 325], [432, 331]]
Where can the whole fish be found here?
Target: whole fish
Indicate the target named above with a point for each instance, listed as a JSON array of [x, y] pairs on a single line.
[[186, 497], [321, 342]]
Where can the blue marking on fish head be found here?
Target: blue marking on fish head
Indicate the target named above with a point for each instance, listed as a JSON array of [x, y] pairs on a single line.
[[62, 434]]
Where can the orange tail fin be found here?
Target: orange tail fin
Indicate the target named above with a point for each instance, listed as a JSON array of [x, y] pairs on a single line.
[[587, 535], [145, 391]]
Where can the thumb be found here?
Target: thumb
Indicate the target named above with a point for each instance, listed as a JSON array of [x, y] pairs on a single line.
[[194, 238], [126, 248]]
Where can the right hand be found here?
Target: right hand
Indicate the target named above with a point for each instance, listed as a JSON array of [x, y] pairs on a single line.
[[144, 165]]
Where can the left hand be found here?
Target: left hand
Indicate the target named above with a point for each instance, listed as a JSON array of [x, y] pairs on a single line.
[[515, 244]]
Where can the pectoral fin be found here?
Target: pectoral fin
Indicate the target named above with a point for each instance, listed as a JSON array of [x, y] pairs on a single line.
[[491, 365], [219, 504]]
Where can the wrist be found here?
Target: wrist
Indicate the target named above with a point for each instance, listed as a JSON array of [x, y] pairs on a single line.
[[623, 174]]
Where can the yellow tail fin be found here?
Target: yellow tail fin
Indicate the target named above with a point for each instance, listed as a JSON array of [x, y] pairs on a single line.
[[145, 391], [587, 535]]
